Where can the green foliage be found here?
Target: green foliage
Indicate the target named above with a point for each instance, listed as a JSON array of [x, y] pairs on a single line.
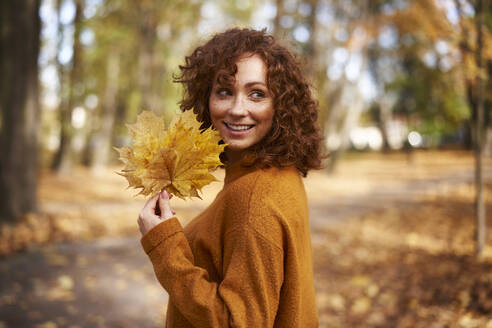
[[431, 98], [148, 38]]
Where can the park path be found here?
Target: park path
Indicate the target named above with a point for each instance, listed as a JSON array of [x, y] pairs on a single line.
[[110, 282], [386, 194]]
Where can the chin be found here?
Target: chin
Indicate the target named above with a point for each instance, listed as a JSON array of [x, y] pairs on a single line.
[[233, 147]]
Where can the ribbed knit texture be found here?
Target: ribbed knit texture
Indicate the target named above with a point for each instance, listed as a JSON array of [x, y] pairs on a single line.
[[246, 261]]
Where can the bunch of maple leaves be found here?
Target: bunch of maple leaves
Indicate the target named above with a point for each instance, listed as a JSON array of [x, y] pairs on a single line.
[[179, 160]]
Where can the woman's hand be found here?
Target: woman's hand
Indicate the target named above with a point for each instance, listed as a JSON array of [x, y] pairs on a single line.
[[147, 219]]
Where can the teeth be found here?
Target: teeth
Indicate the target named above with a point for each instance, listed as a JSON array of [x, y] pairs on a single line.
[[238, 127]]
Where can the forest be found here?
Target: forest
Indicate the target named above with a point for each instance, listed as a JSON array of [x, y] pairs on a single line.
[[399, 212]]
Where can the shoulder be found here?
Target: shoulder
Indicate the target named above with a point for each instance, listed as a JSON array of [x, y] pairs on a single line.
[[267, 200], [279, 195], [277, 183], [266, 184]]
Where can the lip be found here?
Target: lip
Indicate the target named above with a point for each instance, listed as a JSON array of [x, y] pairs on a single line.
[[238, 133]]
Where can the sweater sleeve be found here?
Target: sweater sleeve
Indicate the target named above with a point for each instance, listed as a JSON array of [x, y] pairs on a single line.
[[248, 294]]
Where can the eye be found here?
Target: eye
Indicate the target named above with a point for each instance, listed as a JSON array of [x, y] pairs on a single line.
[[257, 94], [223, 92]]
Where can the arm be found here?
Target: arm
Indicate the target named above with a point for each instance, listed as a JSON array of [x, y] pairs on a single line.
[[246, 297]]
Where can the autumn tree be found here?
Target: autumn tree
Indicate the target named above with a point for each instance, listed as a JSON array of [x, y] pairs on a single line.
[[466, 52]]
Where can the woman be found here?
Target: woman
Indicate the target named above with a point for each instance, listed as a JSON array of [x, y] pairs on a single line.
[[246, 261]]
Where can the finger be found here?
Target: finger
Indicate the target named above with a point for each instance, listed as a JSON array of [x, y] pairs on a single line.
[[151, 204], [150, 199], [174, 212], [170, 195], [140, 227], [166, 211]]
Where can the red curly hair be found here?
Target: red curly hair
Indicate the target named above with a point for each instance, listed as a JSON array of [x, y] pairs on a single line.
[[294, 138]]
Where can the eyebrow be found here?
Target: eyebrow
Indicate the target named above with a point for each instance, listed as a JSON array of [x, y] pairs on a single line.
[[253, 83]]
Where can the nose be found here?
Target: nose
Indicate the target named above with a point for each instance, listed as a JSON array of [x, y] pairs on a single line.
[[238, 107]]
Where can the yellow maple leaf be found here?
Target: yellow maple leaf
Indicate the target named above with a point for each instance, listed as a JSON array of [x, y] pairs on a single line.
[[178, 160]]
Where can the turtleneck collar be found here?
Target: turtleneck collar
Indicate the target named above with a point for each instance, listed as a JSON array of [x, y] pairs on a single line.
[[237, 170]]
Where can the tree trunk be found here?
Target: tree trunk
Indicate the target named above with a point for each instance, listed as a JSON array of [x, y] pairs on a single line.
[[487, 148], [19, 105], [311, 52], [332, 121], [352, 114], [145, 58], [383, 119], [277, 28], [343, 118], [101, 143], [384, 106], [488, 101], [62, 162], [479, 201]]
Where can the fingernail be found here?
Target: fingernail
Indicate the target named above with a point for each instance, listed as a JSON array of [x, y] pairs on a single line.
[[164, 194]]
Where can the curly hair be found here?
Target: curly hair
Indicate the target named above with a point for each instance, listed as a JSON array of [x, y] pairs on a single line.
[[294, 138]]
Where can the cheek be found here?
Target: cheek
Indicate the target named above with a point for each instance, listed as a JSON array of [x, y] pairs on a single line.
[[268, 125], [215, 110], [265, 116]]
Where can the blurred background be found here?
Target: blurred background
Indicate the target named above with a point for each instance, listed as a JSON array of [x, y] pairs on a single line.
[[398, 215]]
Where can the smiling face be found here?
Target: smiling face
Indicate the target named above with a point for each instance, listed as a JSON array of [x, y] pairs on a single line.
[[242, 112]]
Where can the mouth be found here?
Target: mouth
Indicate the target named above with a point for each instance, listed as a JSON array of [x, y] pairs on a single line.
[[239, 127]]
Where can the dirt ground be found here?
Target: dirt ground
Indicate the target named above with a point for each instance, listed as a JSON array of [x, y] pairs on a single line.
[[392, 241]]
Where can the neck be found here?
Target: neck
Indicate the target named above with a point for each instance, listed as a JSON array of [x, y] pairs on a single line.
[[233, 156]]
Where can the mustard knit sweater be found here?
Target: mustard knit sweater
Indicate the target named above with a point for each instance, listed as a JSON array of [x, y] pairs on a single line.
[[246, 261]]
